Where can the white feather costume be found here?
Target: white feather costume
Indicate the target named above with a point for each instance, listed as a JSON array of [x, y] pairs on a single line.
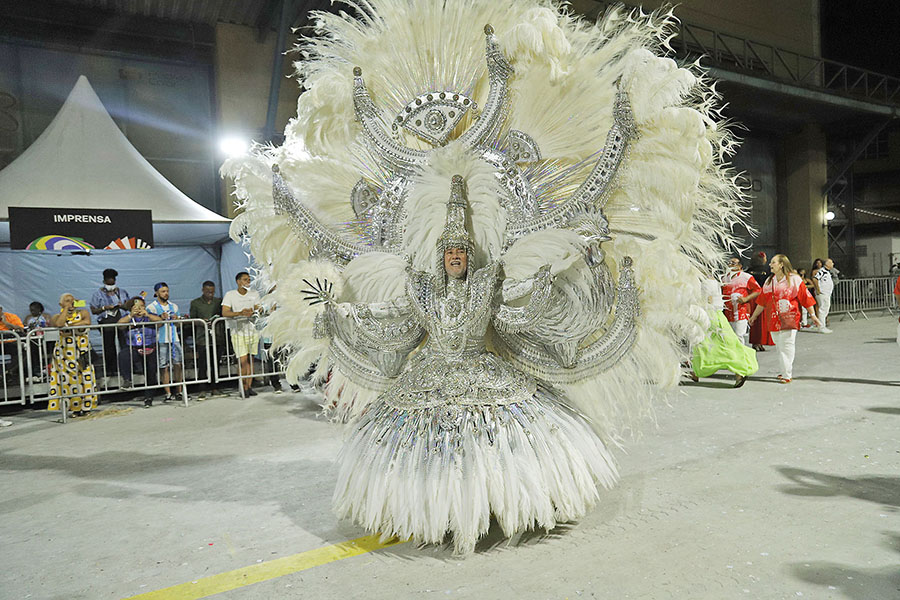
[[567, 135]]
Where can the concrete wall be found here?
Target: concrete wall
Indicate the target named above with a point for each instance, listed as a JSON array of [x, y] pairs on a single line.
[[881, 251], [804, 166], [793, 25], [243, 67], [757, 161]]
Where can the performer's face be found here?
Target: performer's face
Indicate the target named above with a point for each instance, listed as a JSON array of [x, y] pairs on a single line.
[[455, 262]]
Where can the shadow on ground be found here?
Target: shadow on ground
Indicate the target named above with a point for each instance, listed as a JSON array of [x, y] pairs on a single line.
[[881, 490], [885, 410], [853, 582]]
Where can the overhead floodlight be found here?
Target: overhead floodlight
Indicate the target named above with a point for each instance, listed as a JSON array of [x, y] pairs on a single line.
[[233, 145], [829, 216]]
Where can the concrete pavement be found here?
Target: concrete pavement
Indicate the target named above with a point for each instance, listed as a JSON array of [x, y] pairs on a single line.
[[769, 491]]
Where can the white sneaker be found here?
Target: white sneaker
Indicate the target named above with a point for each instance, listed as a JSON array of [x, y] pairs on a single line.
[[5, 423], [825, 330]]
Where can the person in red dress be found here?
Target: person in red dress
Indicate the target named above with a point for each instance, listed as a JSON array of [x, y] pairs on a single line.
[[781, 297], [739, 289], [897, 298]]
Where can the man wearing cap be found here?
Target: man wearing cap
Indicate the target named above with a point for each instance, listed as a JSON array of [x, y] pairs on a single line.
[[107, 303], [171, 357]]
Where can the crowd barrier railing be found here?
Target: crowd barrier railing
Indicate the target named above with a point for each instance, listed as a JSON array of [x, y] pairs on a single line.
[[11, 368], [146, 359], [854, 297], [234, 338], [208, 355]]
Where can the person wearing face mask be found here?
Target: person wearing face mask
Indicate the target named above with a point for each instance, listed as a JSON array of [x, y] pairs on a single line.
[[107, 305], [244, 303], [739, 289]]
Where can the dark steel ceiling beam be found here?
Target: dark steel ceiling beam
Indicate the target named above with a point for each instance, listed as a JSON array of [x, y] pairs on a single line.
[[266, 20], [857, 151], [286, 6]]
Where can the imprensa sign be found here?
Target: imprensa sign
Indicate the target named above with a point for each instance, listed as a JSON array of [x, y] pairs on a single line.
[[83, 229]]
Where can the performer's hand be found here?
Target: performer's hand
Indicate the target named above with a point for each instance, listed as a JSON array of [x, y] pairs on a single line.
[[318, 293]]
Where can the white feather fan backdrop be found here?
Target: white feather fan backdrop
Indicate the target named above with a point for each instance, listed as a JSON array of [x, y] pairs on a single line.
[[672, 205]]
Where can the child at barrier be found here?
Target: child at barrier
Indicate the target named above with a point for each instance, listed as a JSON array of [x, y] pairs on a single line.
[[140, 351]]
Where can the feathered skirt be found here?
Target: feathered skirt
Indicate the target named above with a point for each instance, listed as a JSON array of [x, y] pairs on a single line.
[[427, 472]]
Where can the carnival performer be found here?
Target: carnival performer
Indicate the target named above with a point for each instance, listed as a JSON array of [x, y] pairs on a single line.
[[739, 289], [781, 297], [488, 351], [722, 348], [460, 422]]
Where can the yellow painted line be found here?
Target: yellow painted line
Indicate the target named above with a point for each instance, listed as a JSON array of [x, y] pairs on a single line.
[[215, 584]]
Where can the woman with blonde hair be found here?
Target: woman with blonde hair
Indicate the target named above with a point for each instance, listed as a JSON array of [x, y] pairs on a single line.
[[781, 297], [71, 371]]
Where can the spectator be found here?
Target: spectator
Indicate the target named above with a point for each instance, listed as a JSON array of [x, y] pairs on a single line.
[[71, 372], [781, 296], [140, 350], [107, 303], [739, 289], [835, 272], [171, 356], [242, 304], [11, 322], [810, 284], [759, 331], [207, 307], [824, 287], [36, 321], [37, 318]]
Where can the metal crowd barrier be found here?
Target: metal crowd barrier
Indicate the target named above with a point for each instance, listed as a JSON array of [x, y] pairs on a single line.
[[208, 356], [144, 371], [853, 297], [229, 333], [11, 368]]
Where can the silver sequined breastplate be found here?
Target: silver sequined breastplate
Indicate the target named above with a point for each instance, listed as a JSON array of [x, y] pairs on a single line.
[[453, 367]]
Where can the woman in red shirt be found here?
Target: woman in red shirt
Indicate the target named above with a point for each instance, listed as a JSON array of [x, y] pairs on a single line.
[[781, 297]]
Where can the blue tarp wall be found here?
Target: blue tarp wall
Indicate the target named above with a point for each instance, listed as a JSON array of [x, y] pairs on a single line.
[[43, 276]]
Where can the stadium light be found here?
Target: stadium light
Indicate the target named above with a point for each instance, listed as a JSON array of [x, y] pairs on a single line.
[[829, 216], [233, 145]]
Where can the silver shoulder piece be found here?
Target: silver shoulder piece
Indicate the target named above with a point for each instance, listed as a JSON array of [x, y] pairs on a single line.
[[323, 240], [565, 361]]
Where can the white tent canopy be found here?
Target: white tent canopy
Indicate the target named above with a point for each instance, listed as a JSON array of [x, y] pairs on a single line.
[[83, 160]]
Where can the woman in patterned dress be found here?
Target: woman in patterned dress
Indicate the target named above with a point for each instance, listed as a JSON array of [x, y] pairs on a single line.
[[71, 371]]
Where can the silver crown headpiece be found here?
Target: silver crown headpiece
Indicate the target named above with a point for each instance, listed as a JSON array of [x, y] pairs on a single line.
[[455, 234]]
